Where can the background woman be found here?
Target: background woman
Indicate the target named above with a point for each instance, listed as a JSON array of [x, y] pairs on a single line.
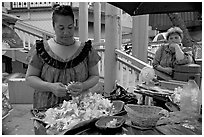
[[171, 54]]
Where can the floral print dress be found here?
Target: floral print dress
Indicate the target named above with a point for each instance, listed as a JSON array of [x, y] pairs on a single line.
[[55, 69]]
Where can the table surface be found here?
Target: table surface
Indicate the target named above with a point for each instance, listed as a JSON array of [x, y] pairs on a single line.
[[177, 124], [186, 127]]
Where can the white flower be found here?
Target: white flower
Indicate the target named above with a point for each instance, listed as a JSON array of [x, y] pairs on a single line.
[[76, 110]]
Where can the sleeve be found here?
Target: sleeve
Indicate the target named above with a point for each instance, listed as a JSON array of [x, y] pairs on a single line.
[[33, 58], [93, 58], [157, 57], [187, 59]]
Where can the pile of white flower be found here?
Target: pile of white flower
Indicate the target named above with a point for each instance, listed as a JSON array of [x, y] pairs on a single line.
[[77, 110]]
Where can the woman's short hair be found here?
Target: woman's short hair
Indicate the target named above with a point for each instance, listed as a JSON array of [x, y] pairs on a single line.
[[174, 30], [63, 10]]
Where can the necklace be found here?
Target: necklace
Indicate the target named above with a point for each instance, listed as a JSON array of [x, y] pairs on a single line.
[[65, 44]]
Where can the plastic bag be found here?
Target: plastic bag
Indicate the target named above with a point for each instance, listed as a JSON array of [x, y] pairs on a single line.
[[146, 75], [190, 100]]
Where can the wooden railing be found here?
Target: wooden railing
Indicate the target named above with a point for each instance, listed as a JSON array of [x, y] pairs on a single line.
[[128, 67], [30, 34]]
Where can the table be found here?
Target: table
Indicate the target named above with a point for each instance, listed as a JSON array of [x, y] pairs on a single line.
[[169, 85], [162, 128], [174, 127]]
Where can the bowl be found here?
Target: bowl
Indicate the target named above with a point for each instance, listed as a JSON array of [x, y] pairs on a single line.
[[110, 123], [117, 106], [143, 115]]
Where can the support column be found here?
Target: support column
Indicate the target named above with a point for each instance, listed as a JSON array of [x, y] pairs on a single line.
[[83, 21], [97, 22], [112, 24], [140, 37], [119, 65], [140, 34]]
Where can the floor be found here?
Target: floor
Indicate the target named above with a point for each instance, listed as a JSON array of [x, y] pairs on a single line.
[[18, 122]]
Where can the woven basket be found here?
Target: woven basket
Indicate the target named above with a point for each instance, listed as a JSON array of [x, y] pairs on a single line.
[[142, 115]]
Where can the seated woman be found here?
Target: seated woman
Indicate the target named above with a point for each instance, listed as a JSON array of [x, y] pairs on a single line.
[[171, 54]]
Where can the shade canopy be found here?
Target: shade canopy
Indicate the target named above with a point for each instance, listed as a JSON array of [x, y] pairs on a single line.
[[141, 8]]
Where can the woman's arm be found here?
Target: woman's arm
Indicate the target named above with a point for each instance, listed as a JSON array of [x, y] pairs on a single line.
[[157, 60], [157, 57], [93, 75], [33, 80], [181, 57], [167, 70], [78, 87], [178, 51], [93, 78]]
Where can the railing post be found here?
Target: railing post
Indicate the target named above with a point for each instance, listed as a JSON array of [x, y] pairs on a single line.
[[112, 24], [44, 37], [24, 40], [29, 43], [13, 54]]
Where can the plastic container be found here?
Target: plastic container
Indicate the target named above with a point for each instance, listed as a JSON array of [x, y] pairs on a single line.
[[191, 98], [19, 91]]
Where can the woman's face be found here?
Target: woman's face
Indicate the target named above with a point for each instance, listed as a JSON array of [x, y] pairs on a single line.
[[174, 38], [64, 29]]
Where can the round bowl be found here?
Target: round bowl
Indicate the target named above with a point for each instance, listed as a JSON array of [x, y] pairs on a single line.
[[143, 115], [104, 123], [118, 106]]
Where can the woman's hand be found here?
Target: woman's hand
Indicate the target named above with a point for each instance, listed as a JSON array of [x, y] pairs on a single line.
[[76, 88], [177, 48], [174, 45], [168, 70], [58, 89]]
